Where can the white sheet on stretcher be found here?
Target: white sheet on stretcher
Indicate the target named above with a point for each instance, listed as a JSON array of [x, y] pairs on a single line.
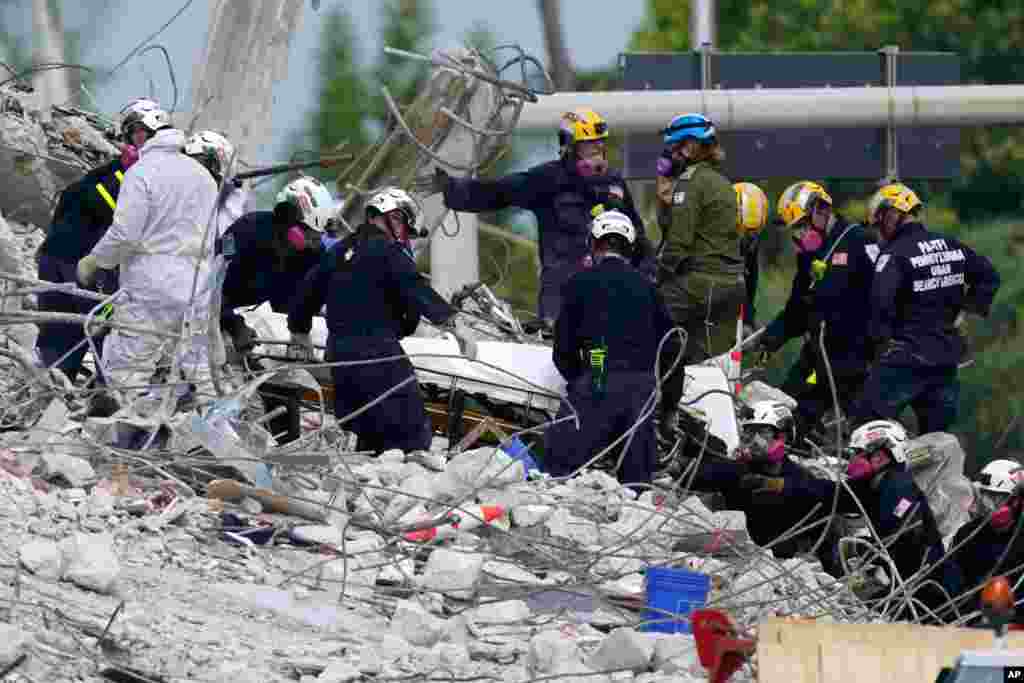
[[521, 374]]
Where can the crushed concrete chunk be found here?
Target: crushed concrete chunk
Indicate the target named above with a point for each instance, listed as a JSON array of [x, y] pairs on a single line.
[[43, 558], [415, 625], [453, 573], [90, 561], [504, 612], [339, 672], [624, 648], [14, 642], [74, 470], [550, 651], [677, 652], [529, 515]]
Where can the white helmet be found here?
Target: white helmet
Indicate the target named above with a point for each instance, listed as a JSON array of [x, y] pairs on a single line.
[[391, 199], [773, 413], [212, 150], [144, 111], [881, 434], [1000, 476], [312, 198], [613, 223]]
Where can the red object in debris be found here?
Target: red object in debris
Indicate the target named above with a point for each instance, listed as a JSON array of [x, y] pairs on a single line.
[[720, 649]]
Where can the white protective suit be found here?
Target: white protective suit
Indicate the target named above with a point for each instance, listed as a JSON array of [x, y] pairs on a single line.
[[156, 239]]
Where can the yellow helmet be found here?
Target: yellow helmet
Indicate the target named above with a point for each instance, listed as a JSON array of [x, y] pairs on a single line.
[[581, 125], [893, 196], [752, 208], [795, 202]]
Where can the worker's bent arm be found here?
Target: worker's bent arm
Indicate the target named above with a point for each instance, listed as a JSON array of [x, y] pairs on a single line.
[[130, 219]]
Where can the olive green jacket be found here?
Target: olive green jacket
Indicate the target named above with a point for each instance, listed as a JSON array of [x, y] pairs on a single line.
[[697, 215]]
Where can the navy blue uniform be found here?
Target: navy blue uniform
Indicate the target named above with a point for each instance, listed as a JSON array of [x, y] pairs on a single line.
[[894, 505], [561, 200], [923, 281], [979, 555], [85, 209], [262, 266], [374, 297], [842, 300], [768, 516], [614, 305]]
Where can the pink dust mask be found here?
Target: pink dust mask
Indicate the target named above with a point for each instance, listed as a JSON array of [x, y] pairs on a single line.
[[859, 468], [297, 237], [591, 167], [129, 155], [809, 241]]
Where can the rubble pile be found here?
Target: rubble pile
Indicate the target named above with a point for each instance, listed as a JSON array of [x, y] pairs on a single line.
[[432, 564]]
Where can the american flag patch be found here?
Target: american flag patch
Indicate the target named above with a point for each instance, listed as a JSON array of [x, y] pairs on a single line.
[[616, 191], [839, 258], [901, 508]]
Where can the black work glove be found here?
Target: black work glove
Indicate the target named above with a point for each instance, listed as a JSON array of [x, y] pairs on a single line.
[[439, 183]]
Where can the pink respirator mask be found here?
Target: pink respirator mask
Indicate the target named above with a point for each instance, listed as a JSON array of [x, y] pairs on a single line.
[[1005, 515], [297, 237], [765, 449], [809, 240], [129, 155], [591, 167]]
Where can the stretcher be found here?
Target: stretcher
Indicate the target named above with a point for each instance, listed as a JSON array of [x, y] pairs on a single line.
[[516, 384]]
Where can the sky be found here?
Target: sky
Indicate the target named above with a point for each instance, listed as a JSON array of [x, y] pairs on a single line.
[[596, 32]]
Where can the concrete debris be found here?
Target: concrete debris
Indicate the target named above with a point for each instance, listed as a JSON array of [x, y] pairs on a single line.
[[624, 648], [43, 558], [90, 562], [14, 642]]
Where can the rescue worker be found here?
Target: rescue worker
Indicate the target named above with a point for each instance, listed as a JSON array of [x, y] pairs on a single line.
[[923, 282], [156, 240], [752, 483], [374, 297], [993, 542], [832, 285], [563, 195], [751, 217], [993, 485], [214, 151], [700, 267], [84, 212], [897, 509], [606, 343], [269, 252]]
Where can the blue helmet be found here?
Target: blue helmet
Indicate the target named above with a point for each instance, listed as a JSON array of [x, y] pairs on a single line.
[[684, 126]]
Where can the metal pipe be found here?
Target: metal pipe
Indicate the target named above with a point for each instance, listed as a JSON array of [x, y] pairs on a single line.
[[646, 111], [702, 23]]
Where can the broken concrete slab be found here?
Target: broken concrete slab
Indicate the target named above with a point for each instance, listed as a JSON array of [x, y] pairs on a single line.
[[90, 562], [452, 572], [43, 558]]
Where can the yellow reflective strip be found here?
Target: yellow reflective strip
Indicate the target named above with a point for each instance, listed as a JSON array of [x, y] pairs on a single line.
[[813, 379], [106, 195], [120, 176]]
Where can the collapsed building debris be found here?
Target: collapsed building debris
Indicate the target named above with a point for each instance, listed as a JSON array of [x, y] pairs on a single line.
[[210, 551]]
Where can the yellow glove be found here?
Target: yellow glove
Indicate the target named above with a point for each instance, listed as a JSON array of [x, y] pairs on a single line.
[[86, 270]]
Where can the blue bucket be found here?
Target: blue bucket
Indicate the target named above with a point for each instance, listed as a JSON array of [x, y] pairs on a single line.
[[678, 591]]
